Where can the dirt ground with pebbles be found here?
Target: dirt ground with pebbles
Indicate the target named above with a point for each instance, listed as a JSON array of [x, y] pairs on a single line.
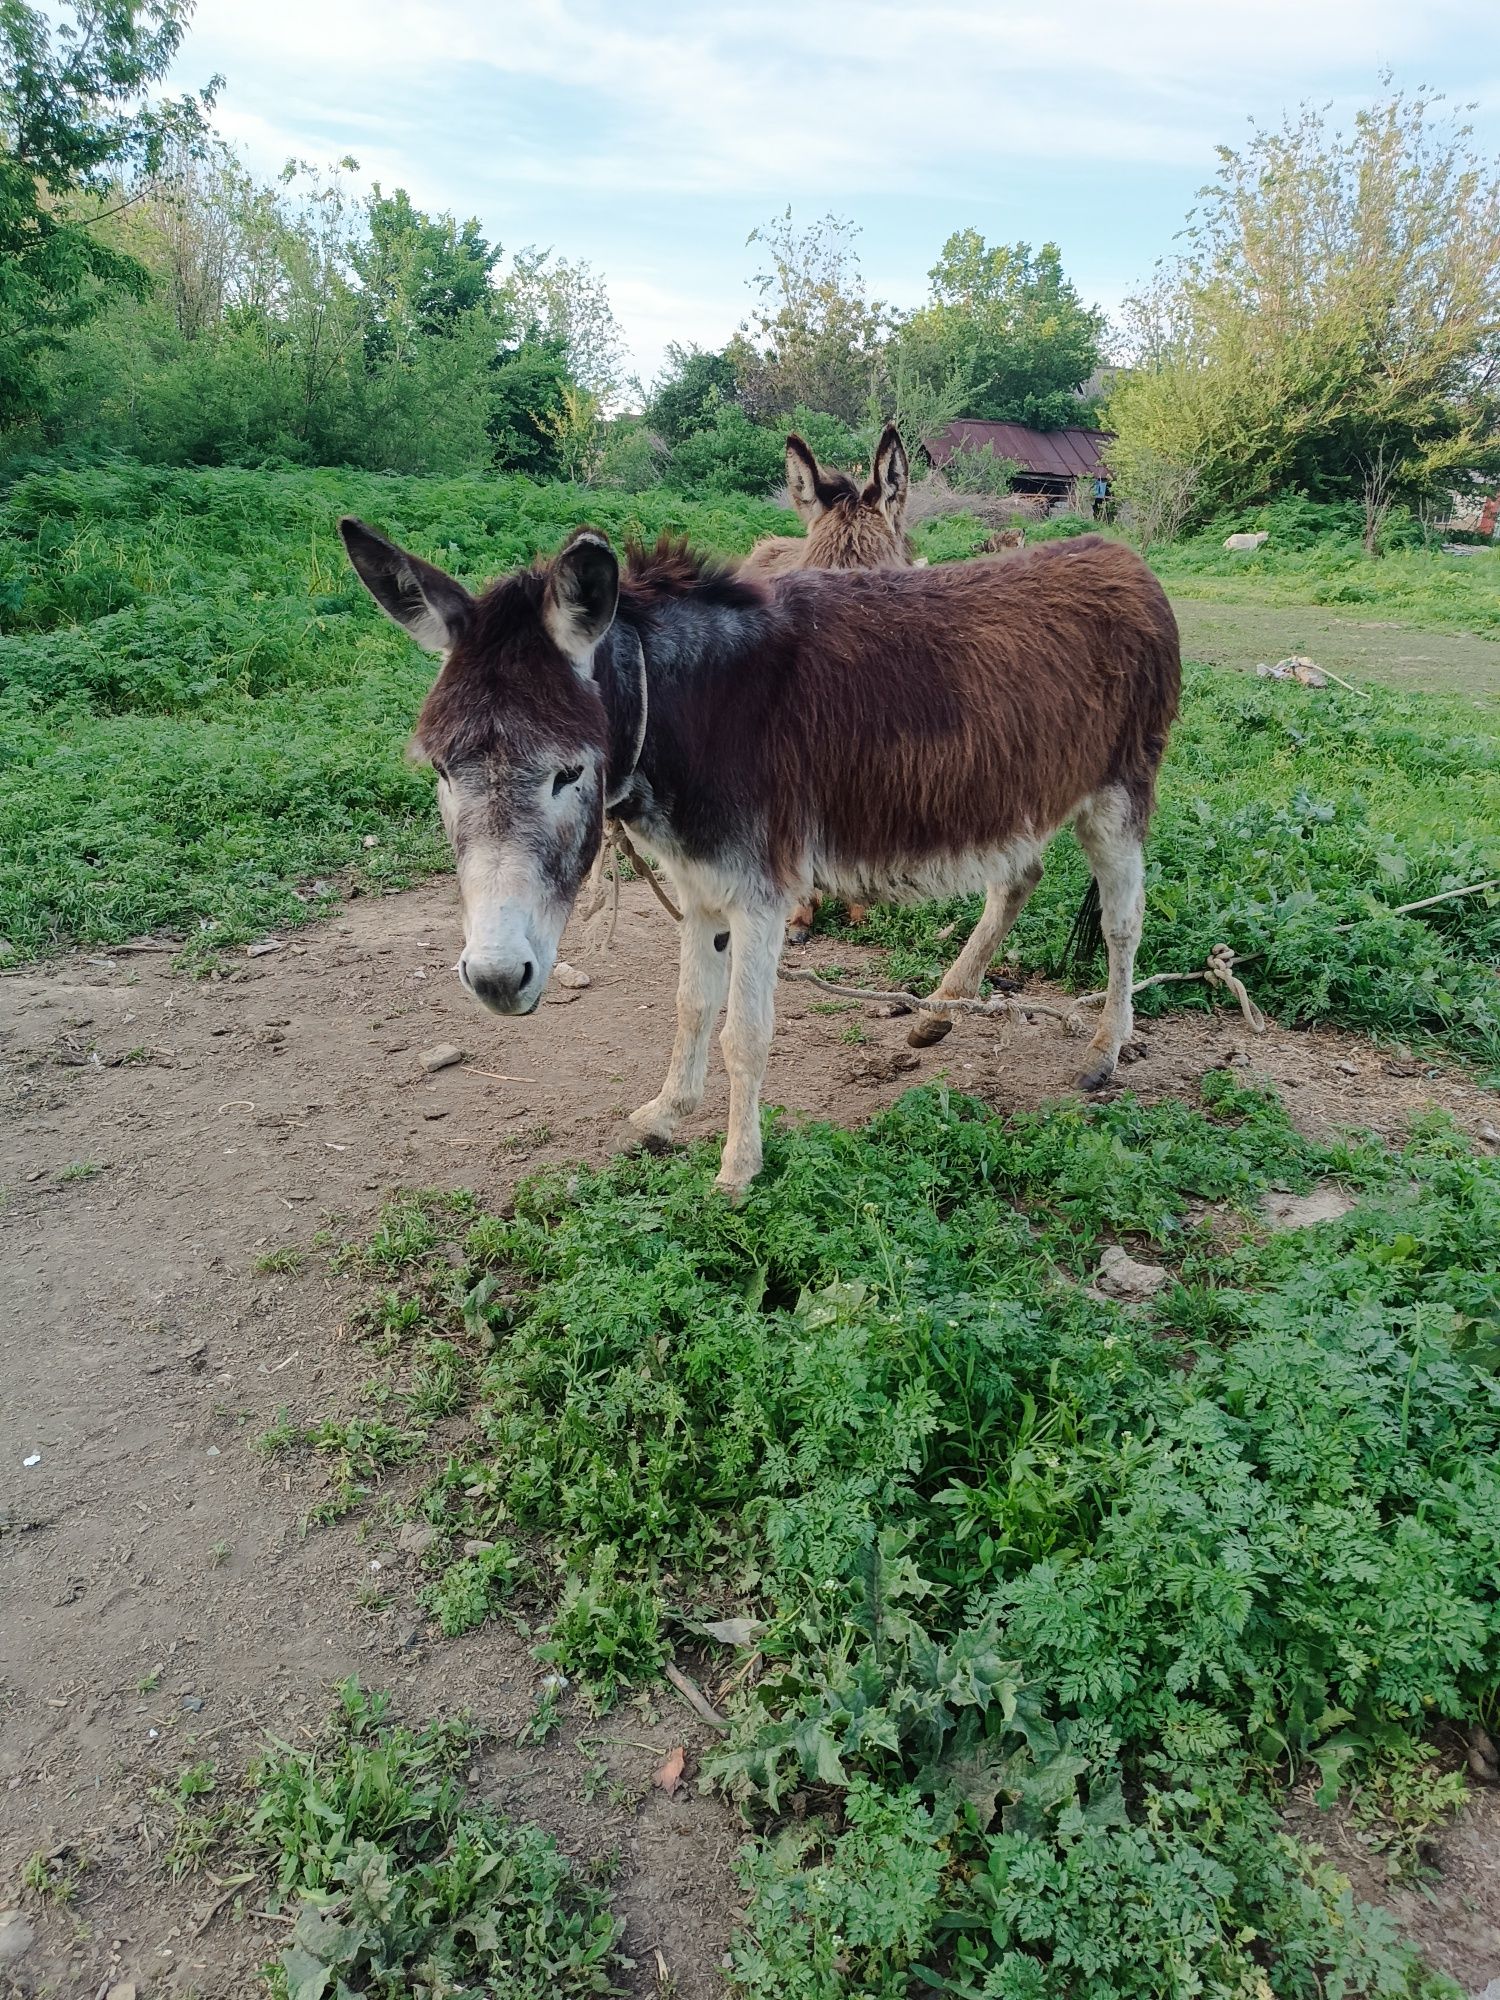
[[160, 1136]]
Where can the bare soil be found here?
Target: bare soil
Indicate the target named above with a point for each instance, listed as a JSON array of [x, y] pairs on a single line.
[[159, 1137]]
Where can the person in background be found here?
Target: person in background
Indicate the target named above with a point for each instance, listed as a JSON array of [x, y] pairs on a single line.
[[1101, 494]]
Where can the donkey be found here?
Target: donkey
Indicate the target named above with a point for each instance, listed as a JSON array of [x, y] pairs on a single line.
[[911, 732], [847, 528]]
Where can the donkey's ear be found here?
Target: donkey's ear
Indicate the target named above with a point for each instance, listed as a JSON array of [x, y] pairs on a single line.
[[890, 478], [803, 479], [422, 599], [583, 589]]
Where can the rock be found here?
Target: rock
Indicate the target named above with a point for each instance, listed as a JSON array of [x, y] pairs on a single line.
[[563, 999], [1347, 1068], [887, 1010], [1246, 542], [435, 1111], [416, 1538], [476, 1546], [1122, 1278], [1303, 1211], [442, 1055], [1484, 1758], [370, 840], [1488, 1133], [123, 1989], [569, 975], [193, 1703], [17, 1936]]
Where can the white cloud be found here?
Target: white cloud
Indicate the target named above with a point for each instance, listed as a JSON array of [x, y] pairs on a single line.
[[567, 103]]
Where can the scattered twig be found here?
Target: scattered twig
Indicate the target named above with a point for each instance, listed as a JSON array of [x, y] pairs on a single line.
[[695, 1698], [998, 1003], [498, 1075]]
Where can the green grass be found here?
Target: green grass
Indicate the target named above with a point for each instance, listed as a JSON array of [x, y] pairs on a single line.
[[202, 716], [1055, 1595], [390, 1881], [1305, 563]]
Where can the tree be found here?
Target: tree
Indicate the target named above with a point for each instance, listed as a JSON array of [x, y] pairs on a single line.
[[812, 336], [75, 129], [420, 273], [1004, 331], [566, 306], [1337, 311], [689, 390]]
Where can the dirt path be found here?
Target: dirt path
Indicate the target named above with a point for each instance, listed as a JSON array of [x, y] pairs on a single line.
[[1226, 634], [158, 1138]]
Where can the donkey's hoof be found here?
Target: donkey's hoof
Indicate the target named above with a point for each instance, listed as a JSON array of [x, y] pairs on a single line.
[[1096, 1073], [928, 1031], [734, 1191], [657, 1145], [653, 1131]]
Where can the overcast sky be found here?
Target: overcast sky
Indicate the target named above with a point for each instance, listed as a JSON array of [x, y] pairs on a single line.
[[651, 139]]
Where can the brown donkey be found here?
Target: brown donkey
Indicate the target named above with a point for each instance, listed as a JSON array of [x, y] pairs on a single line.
[[917, 732], [848, 527]]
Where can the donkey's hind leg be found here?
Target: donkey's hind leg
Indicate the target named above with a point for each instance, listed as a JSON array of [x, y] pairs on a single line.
[[1003, 903], [701, 985], [1110, 832]]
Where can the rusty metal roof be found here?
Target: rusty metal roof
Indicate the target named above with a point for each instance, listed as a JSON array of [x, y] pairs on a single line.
[[1068, 454]]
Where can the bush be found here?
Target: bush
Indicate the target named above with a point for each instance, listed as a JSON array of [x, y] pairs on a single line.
[[980, 470], [730, 455]]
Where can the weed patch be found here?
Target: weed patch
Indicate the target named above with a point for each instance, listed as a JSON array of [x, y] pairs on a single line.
[[395, 1882], [1050, 1596]]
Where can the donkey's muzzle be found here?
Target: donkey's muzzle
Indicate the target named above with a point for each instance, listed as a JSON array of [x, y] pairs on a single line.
[[503, 988]]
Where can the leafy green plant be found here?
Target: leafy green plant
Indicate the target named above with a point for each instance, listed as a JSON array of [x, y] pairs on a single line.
[[468, 1591], [393, 1878], [1050, 1596], [607, 1629]]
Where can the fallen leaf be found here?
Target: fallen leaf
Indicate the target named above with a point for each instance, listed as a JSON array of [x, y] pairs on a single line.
[[736, 1631], [669, 1777]]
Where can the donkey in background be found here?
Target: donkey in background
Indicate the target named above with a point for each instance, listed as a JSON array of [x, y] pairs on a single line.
[[848, 527], [911, 732]]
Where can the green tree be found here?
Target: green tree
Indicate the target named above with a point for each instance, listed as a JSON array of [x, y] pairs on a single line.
[[731, 455], [565, 307], [75, 129], [1005, 331], [812, 337], [689, 390], [527, 388], [420, 273], [1334, 326]]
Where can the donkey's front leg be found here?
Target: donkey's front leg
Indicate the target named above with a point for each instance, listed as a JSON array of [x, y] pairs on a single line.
[[755, 941], [701, 982]]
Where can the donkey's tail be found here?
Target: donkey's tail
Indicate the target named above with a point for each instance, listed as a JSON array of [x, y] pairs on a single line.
[[1086, 939]]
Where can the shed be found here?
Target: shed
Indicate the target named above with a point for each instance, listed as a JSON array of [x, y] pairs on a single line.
[[1046, 461]]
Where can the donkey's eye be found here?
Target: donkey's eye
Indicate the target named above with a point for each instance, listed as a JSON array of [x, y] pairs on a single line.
[[563, 779]]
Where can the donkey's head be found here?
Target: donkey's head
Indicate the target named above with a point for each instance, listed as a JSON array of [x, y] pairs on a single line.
[[517, 732], [849, 526]]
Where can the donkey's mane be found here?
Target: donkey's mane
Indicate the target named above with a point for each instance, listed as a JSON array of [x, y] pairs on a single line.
[[674, 570]]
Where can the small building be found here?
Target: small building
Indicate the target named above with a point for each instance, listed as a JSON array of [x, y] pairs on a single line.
[[1047, 462]]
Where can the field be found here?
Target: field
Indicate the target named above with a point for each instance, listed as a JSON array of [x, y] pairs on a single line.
[[387, 1436]]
